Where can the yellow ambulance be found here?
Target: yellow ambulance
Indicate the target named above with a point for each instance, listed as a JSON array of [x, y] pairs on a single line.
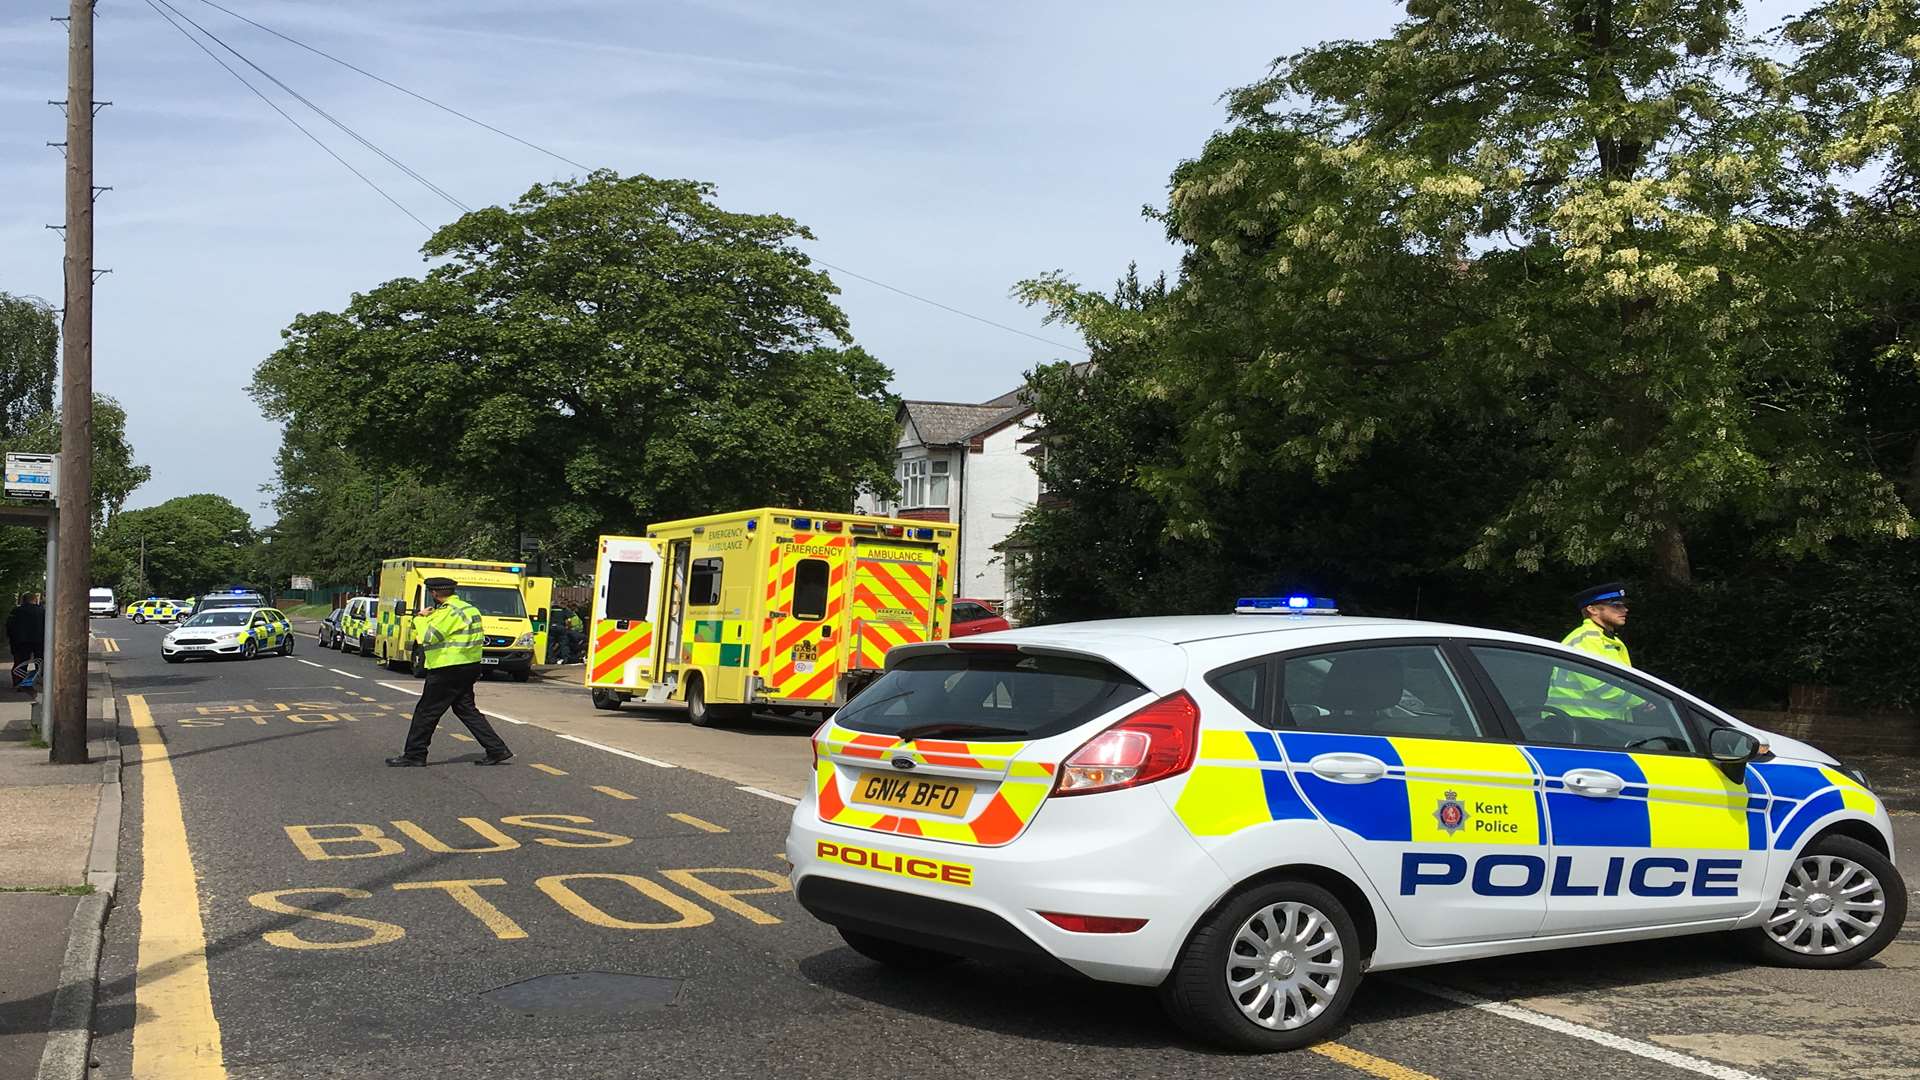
[[496, 588], [781, 610]]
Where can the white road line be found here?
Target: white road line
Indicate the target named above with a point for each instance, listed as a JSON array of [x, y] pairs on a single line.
[[402, 687], [1579, 1031], [348, 674], [765, 794], [502, 716], [622, 753], [309, 663]]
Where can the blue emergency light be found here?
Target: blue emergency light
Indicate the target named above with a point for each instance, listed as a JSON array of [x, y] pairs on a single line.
[[1296, 604], [923, 534], [802, 523]]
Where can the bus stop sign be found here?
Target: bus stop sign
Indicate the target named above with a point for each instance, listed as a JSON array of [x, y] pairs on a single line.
[[32, 476]]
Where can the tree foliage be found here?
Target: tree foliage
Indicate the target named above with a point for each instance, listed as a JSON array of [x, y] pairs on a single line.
[[192, 543], [1519, 296], [600, 354]]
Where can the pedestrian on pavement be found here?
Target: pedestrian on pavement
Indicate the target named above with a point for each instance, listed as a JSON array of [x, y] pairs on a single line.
[[557, 638], [452, 643], [27, 636], [576, 637]]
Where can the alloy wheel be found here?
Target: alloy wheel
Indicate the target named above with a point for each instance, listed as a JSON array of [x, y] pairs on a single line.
[[1285, 965], [1828, 905]]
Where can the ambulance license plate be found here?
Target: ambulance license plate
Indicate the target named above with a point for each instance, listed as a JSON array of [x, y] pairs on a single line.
[[948, 798], [489, 659]]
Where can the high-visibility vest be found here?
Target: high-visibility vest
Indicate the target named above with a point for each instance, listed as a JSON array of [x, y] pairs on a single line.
[[453, 634], [1582, 695]]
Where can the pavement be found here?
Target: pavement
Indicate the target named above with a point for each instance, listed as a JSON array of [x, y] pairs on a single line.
[[612, 903], [58, 831]]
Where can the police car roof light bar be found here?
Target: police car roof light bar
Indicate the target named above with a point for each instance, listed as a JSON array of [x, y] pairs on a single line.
[[1295, 604]]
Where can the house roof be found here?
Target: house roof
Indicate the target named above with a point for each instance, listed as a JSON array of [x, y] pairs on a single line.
[[946, 423]]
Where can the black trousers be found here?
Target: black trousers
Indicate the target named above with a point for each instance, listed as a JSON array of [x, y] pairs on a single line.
[[451, 688], [24, 651]]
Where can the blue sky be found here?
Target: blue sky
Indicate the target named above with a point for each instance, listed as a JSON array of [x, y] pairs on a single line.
[[947, 149]]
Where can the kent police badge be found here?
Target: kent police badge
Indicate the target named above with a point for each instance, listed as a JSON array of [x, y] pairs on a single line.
[[1451, 813]]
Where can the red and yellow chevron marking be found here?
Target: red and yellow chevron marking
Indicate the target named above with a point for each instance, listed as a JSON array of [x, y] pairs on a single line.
[[892, 605], [1022, 787], [613, 648], [783, 675]]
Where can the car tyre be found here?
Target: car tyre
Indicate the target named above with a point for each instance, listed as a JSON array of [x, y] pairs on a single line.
[[1807, 929], [607, 699], [169, 659], [522, 676], [895, 953], [287, 648], [249, 650], [1279, 940], [138, 618]]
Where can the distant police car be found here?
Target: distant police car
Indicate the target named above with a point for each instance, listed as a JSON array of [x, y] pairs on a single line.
[[229, 631], [156, 609], [1251, 811]]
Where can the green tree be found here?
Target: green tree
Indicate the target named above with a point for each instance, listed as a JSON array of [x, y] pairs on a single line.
[[116, 474], [192, 543], [601, 354], [1574, 219]]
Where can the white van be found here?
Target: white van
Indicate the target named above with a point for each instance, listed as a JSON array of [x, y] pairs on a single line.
[[101, 602]]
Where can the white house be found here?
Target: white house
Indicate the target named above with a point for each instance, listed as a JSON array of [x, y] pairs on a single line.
[[965, 464]]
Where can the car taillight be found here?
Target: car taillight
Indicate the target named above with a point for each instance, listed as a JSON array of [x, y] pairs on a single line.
[[813, 743], [1152, 744], [1093, 924]]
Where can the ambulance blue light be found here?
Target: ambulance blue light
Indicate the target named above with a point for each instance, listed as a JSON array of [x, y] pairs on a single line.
[[1296, 604], [803, 523], [752, 524], [923, 534]]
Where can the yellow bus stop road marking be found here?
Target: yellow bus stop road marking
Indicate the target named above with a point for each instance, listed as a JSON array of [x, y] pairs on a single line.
[[689, 819], [463, 738], [1367, 1063], [175, 1034], [613, 791], [548, 769]]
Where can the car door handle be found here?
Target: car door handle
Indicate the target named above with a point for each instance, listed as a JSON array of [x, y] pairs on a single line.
[[1594, 783], [1348, 768]]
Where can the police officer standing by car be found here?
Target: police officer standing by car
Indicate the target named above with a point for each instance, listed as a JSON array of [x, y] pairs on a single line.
[[1603, 611], [452, 643]]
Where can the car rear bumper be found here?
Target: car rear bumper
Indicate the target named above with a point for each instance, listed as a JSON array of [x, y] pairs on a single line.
[[507, 659], [1081, 856]]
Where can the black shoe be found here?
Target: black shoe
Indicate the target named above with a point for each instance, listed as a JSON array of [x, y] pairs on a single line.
[[495, 759], [405, 762]]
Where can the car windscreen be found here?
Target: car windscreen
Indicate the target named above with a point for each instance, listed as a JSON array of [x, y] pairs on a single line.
[[982, 696], [212, 602], [500, 600], [220, 618]]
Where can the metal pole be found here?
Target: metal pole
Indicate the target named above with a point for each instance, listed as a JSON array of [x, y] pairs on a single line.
[[44, 682], [67, 648]]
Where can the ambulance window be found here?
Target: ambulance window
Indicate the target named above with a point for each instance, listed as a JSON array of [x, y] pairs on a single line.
[[704, 590], [1381, 690], [1560, 701], [629, 587], [810, 590]]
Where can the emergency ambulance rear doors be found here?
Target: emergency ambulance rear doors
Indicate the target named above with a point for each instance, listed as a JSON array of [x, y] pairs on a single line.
[[894, 594], [622, 643]]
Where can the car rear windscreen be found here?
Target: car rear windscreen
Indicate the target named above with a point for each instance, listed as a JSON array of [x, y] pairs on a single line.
[[1018, 696]]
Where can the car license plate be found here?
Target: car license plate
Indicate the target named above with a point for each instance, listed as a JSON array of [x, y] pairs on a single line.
[[948, 798], [489, 659]]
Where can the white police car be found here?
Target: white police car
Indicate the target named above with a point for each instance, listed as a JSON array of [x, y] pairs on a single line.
[[1251, 811], [243, 632]]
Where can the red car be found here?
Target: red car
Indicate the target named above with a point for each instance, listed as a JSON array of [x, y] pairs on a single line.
[[975, 617]]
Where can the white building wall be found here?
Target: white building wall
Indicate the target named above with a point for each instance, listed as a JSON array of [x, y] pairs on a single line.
[[999, 486]]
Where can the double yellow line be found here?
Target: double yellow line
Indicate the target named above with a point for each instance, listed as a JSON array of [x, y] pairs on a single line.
[[175, 1035], [108, 644]]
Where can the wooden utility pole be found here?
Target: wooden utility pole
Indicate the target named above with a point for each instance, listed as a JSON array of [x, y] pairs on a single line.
[[69, 645]]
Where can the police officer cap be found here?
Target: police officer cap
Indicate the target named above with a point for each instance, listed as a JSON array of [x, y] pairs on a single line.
[[438, 584], [1599, 594]]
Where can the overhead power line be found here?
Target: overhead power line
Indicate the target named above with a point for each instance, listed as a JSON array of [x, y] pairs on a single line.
[[443, 107], [275, 106], [329, 117]]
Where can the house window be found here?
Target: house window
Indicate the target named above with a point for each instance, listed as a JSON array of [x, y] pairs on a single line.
[[923, 483]]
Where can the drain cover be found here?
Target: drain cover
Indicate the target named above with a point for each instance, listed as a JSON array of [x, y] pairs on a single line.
[[585, 992]]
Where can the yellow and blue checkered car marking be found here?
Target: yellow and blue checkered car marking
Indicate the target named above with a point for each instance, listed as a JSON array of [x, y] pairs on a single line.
[[1514, 794]]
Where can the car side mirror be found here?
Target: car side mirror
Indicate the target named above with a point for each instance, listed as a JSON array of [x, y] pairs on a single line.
[[1731, 746]]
